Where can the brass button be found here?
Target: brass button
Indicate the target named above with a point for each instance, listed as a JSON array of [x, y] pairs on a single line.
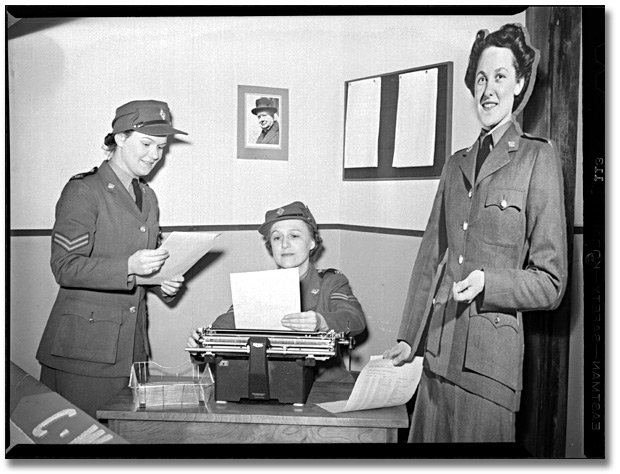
[[143, 228], [471, 193], [460, 259], [433, 301], [497, 320], [504, 204], [465, 225]]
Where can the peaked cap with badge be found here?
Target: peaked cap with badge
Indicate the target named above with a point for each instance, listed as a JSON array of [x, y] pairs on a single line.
[[151, 117], [294, 210]]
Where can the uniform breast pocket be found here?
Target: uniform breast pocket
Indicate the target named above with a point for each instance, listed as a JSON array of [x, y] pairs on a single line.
[[88, 330], [504, 216]]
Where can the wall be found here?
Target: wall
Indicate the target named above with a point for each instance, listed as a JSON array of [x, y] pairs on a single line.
[[66, 80]]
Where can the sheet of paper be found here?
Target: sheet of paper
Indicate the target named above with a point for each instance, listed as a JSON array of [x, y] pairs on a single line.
[[362, 124], [414, 143], [380, 384], [262, 299], [185, 248]]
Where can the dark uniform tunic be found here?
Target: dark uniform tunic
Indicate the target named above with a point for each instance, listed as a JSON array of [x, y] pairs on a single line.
[[510, 223], [99, 312], [326, 292]]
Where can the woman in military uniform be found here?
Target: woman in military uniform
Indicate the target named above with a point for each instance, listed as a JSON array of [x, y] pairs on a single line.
[[105, 234], [327, 301], [494, 247]]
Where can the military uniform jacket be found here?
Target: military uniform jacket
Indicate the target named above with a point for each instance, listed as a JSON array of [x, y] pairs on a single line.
[[272, 137], [98, 226], [510, 223], [326, 292]]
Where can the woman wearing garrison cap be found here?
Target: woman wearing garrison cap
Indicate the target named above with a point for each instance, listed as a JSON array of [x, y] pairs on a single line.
[[494, 249], [327, 301], [105, 234]]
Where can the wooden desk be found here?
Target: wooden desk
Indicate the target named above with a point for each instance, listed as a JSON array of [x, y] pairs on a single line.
[[254, 422]]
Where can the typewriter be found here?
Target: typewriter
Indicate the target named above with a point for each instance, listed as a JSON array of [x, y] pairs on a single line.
[[265, 364]]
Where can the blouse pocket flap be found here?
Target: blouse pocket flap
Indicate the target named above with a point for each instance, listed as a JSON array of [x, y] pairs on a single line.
[[494, 348], [500, 320], [93, 311], [88, 331], [505, 198]]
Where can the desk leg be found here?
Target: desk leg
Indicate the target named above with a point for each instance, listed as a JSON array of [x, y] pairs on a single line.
[[391, 435]]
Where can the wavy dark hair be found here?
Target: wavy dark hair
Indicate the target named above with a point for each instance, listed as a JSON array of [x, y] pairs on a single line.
[[315, 236], [109, 142], [511, 36]]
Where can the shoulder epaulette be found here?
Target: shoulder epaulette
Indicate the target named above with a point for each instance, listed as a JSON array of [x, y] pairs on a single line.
[[462, 151], [532, 137], [87, 173], [325, 271]]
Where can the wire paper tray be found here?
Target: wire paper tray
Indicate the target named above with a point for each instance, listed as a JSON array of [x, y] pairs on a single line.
[[154, 385]]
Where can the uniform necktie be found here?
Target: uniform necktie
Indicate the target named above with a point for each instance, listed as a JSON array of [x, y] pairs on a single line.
[[483, 152], [138, 192]]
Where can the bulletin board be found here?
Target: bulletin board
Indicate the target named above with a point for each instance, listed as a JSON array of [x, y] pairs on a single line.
[[398, 125]]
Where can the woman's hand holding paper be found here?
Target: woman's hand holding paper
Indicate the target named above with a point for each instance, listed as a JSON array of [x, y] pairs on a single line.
[[307, 321]]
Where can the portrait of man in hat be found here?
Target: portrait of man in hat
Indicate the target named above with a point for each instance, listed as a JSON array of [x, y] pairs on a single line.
[[266, 112], [262, 123]]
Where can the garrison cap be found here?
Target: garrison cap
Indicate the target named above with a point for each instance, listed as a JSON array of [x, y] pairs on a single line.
[[151, 117], [295, 210]]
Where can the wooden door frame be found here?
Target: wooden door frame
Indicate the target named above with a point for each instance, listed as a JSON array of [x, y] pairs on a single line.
[[552, 112]]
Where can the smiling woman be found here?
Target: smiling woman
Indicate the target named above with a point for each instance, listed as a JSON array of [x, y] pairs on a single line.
[[497, 85], [494, 248], [106, 232], [139, 153]]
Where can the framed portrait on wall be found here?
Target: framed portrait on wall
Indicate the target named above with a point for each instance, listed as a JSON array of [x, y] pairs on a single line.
[[262, 123]]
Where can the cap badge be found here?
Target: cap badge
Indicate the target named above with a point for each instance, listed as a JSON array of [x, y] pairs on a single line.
[[280, 211], [110, 186], [162, 114], [511, 144], [314, 291]]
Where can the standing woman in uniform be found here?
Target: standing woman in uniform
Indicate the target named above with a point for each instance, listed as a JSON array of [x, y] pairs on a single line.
[[106, 233], [494, 248]]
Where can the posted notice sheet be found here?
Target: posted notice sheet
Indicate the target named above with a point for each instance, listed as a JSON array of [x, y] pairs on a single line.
[[380, 384], [185, 249], [262, 299], [414, 143], [362, 124]]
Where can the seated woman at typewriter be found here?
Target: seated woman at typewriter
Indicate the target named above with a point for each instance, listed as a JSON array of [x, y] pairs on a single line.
[[327, 302]]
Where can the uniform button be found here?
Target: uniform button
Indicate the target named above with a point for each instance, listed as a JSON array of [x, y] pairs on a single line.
[[471, 193], [465, 225], [132, 309], [504, 204], [433, 301], [460, 259], [142, 228], [497, 320]]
